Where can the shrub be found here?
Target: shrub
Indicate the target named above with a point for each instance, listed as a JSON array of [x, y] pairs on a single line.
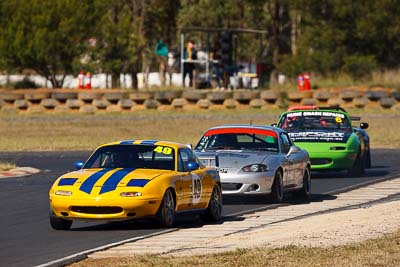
[[25, 83], [358, 66]]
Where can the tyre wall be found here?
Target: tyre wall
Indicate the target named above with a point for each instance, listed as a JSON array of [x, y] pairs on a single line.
[[106, 100]]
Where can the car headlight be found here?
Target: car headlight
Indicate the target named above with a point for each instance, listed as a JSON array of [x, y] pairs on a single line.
[[130, 194], [255, 168], [63, 193]]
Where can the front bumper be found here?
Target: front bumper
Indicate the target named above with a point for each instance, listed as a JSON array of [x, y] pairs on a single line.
[[333, 160], [104, 209], [247, 183]]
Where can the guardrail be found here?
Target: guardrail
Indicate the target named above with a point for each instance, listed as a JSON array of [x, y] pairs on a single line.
[[106, 100]]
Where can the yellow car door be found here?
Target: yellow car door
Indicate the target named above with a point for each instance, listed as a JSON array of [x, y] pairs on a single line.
[[194, 190]]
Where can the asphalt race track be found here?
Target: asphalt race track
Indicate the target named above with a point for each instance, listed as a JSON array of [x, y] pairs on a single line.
[[26, 238]]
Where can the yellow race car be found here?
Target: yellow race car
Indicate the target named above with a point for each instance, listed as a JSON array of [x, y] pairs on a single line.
[[135, 179]]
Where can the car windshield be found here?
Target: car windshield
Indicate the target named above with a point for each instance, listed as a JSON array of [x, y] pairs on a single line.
[[133, 156], [314, 120], [239, 139]]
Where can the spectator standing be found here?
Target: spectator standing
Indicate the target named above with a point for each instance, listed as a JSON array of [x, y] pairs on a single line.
[[170, 66], [217, 68], [162, 55], [189, 67], [81, 80]]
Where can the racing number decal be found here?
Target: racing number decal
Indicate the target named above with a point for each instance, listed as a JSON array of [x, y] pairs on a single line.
[[163, 150], [196, 189], [338, 120]]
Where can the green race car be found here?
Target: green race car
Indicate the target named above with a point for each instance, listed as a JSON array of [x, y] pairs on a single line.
[[329, 137]]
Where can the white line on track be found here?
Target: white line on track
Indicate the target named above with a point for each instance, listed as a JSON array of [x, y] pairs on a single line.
[[82, 255]]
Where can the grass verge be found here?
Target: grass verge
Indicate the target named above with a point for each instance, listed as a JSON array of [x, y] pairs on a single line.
[[384, 251], [86, 132], [6, 166]]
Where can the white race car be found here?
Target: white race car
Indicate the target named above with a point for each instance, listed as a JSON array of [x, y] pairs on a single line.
[[255, 159]]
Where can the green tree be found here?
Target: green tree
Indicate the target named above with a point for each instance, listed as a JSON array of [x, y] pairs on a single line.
[[113, 34], [127, 33], [350, 36], [377, 31], [44, 35]]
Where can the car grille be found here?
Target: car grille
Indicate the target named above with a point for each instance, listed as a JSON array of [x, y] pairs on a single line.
[[320, 161], [96, 210], [231, 186]]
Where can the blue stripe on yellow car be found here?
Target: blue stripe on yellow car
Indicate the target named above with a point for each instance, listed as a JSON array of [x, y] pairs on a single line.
[[88, 185], [138, 182], [111, 183], [67, 181], [127, 142], [148, 142]]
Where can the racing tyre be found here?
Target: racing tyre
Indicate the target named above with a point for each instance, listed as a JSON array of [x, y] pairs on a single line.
[[304, 193], [59, 223], [277, 190], [214, 209], [358, 167], [166, 212], [368, 159]]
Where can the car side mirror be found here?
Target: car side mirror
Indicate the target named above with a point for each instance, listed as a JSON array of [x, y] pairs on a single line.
[[293, 150], [192, 166], [79, 164], [364, 125]]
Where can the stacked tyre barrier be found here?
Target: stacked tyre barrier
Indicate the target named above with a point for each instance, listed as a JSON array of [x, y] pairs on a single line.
[[106, 100]]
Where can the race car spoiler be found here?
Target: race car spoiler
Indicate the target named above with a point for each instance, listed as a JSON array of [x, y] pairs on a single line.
[[355, 118]]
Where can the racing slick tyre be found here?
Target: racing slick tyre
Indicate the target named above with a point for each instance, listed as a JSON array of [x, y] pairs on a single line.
[[59, 223], [214, 209], [304, 192], [368, 159], [277, 190], [358, 167], [166, 211]]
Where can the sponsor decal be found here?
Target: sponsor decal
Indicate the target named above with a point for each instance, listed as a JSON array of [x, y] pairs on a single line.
[[197, 189], [163, 150], [316, 113], [223, 170], [319, 136], [241, 131]]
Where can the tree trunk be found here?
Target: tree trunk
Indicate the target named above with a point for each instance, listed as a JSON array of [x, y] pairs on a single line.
[[277, 9], [295, 30], [8, 80], [115, 80], [138, 14], [134, 72], [55, 83]]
